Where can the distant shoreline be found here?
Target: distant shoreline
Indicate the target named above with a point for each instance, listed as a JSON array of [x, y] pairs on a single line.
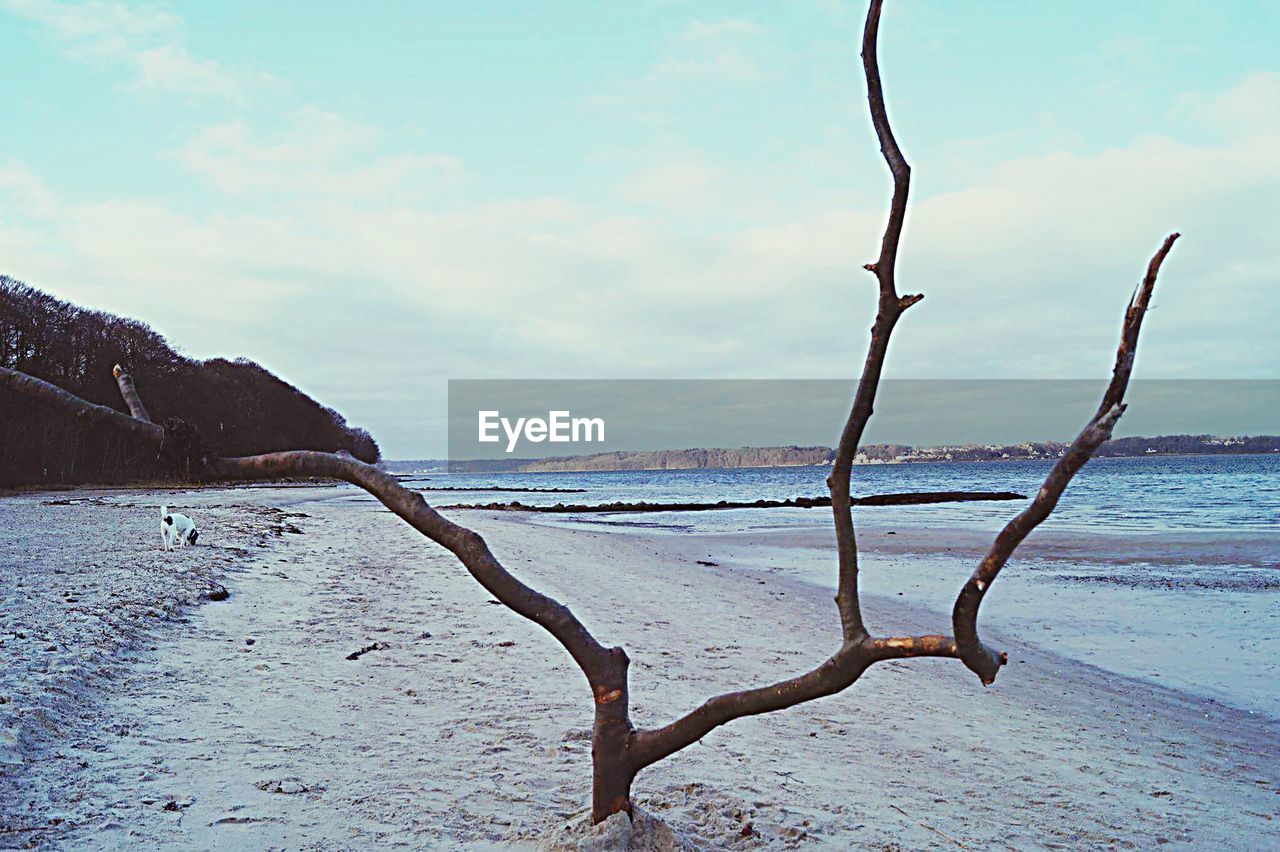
[[391, 466], [624, 462], [902, 462]]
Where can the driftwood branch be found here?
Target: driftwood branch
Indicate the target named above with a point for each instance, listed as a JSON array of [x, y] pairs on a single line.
[[130, 394], [604, 668], [889, 310], [595, 660], [860, 650], [853, 658], [619, 750], [98, 415], [982, 660]]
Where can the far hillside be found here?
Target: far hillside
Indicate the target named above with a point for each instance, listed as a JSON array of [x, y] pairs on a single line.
[[792, 456], [239, 407]]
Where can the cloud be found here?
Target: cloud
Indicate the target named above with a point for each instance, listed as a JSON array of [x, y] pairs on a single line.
[[693, 62], [314, 153], [27, 192], [1026, 269], [169, 70], [709, 51], [145, 41], [675, 184], [715, 33], [1251, 107], [97, 28]]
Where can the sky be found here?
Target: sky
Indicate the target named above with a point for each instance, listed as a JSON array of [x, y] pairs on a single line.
[[372, 199]]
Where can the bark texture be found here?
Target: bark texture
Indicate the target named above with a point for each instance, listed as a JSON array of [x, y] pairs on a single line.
[[619, 750]]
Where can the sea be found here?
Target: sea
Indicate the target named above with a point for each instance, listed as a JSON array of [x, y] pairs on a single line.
[[1162, 568], [1202, 493]]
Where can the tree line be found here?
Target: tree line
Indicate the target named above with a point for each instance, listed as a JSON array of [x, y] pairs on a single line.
[[237, 406]]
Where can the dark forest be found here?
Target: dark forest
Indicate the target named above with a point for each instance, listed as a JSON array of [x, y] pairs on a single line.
[[237, 406]]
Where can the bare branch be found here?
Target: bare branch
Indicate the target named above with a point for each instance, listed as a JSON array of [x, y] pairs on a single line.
[[77, 407], [605, 668], [1132, 326], [596, 661], [130, 394], [470, 548], [832, 676], [900, 648], [884, 267], [890, 308], [982, 660], [860, 650]]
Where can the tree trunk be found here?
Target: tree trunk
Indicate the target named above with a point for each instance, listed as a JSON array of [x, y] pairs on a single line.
[[612, 767]]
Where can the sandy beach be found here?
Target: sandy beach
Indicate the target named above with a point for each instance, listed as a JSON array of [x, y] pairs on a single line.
[[135, 713]]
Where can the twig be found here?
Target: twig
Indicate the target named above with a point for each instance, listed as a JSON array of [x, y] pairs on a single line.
[[17, 829], [376, 646], [930, 827]]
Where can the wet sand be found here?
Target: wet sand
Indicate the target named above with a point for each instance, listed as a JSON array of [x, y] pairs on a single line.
[[243, 723]]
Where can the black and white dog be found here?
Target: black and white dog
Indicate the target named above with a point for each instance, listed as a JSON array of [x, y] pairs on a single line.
[[176, 530]]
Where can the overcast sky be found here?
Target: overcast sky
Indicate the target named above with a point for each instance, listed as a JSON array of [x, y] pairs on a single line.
[[373, 198]]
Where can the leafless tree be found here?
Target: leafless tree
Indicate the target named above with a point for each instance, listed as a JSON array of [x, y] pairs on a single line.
[[619, 749]]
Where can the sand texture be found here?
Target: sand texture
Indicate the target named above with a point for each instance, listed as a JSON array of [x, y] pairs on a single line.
[[243, 724]]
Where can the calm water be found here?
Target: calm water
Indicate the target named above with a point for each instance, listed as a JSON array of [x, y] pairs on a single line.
[[1185, 493], [1144, 552]]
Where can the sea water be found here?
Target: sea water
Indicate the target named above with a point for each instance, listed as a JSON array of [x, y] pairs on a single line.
[[1161, 568]]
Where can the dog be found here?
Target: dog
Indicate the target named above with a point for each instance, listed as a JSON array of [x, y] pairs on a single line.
[[176, 530]]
